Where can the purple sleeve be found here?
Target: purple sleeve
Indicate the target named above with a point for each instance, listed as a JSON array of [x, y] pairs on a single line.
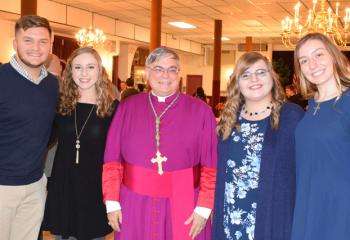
[[209, 141], [208, 161], [112, 149]]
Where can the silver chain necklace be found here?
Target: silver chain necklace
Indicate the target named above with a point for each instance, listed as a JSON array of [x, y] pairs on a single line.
[[78, 134], [159, 159]]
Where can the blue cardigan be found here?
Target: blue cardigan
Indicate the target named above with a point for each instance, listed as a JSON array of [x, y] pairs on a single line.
[[276, 192]]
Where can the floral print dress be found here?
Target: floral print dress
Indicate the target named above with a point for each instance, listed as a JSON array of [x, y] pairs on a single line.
[[242, 179]]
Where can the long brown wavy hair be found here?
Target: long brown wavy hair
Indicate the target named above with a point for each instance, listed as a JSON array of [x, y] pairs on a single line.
[[341, 64], [69, 93], [235, 100]]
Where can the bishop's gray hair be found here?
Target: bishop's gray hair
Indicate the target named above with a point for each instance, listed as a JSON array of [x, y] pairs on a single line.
[[159, 53]]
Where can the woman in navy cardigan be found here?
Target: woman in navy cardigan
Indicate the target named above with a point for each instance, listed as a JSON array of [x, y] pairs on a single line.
[[255, 187]]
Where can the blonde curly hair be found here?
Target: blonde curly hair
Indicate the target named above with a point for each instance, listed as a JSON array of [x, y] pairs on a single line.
[[235, 100], [69, 93]]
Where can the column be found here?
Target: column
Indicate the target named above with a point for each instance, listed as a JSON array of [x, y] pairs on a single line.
[[248, 44], [156, 24], [216, 65]]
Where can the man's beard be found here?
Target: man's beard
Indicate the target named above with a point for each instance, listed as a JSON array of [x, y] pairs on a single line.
[[28, 64]]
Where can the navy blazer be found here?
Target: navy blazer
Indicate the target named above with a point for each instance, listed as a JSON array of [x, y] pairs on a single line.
[[276, 191]]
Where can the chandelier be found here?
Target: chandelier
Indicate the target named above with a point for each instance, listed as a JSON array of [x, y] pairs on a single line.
[[324, 21], [90, 38]]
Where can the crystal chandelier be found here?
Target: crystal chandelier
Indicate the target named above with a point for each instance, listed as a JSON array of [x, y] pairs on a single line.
[[324, 21], [90, 38]]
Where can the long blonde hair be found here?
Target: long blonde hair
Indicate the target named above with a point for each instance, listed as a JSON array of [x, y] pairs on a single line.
[[235, 100], [69, 93], [341, 66]]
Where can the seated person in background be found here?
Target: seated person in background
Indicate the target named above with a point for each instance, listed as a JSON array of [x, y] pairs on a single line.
[[130, 90]]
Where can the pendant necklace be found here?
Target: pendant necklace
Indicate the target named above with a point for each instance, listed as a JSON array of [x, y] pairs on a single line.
[[159, 158], [245, 111], [78, 134], [316, 108], [318, 103]]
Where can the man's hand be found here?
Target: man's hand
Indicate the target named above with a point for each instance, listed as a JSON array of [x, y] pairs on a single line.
[[198, 224], [115, 219]]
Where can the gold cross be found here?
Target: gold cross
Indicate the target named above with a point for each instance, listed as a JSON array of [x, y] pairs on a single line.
[[159, 159]]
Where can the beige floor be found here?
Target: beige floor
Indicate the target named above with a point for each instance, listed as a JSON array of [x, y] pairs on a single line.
[[48, 236]]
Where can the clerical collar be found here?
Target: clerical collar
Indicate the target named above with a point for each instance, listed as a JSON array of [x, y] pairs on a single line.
[[160, 98]]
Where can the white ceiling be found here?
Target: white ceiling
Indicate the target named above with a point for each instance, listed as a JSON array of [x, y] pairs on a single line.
[[240, 18]]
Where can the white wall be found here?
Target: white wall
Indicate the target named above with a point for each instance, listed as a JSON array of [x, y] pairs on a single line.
[[126, 56], [75, 17], [195, 64], [190, 63], [6, 38], [203, 65], [13, 6]]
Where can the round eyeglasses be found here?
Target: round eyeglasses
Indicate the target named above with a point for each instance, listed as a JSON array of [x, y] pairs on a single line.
[[260, 73], [159, 71]]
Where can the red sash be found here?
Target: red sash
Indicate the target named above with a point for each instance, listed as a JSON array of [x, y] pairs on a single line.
[[178, 186]]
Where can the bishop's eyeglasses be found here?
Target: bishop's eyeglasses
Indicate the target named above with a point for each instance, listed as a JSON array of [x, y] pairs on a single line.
[[159, 71]]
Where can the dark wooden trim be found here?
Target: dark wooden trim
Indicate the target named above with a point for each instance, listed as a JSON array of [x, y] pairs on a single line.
[[216, 65]]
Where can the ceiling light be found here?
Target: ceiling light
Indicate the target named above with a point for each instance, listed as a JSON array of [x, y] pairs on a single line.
[[181, 25], [90, 37], [324, 21], [224, 39]]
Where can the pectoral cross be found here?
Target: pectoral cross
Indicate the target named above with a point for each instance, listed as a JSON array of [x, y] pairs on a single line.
[[159, 159]]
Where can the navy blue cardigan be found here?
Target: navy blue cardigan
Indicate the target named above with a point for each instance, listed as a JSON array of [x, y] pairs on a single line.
[[276, 192]]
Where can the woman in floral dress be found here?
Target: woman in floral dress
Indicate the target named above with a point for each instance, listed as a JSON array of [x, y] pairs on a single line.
[[255, 188]]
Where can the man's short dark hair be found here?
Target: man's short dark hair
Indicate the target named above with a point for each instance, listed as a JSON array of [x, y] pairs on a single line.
[[31, 21], [141, 87], [129, 82]]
